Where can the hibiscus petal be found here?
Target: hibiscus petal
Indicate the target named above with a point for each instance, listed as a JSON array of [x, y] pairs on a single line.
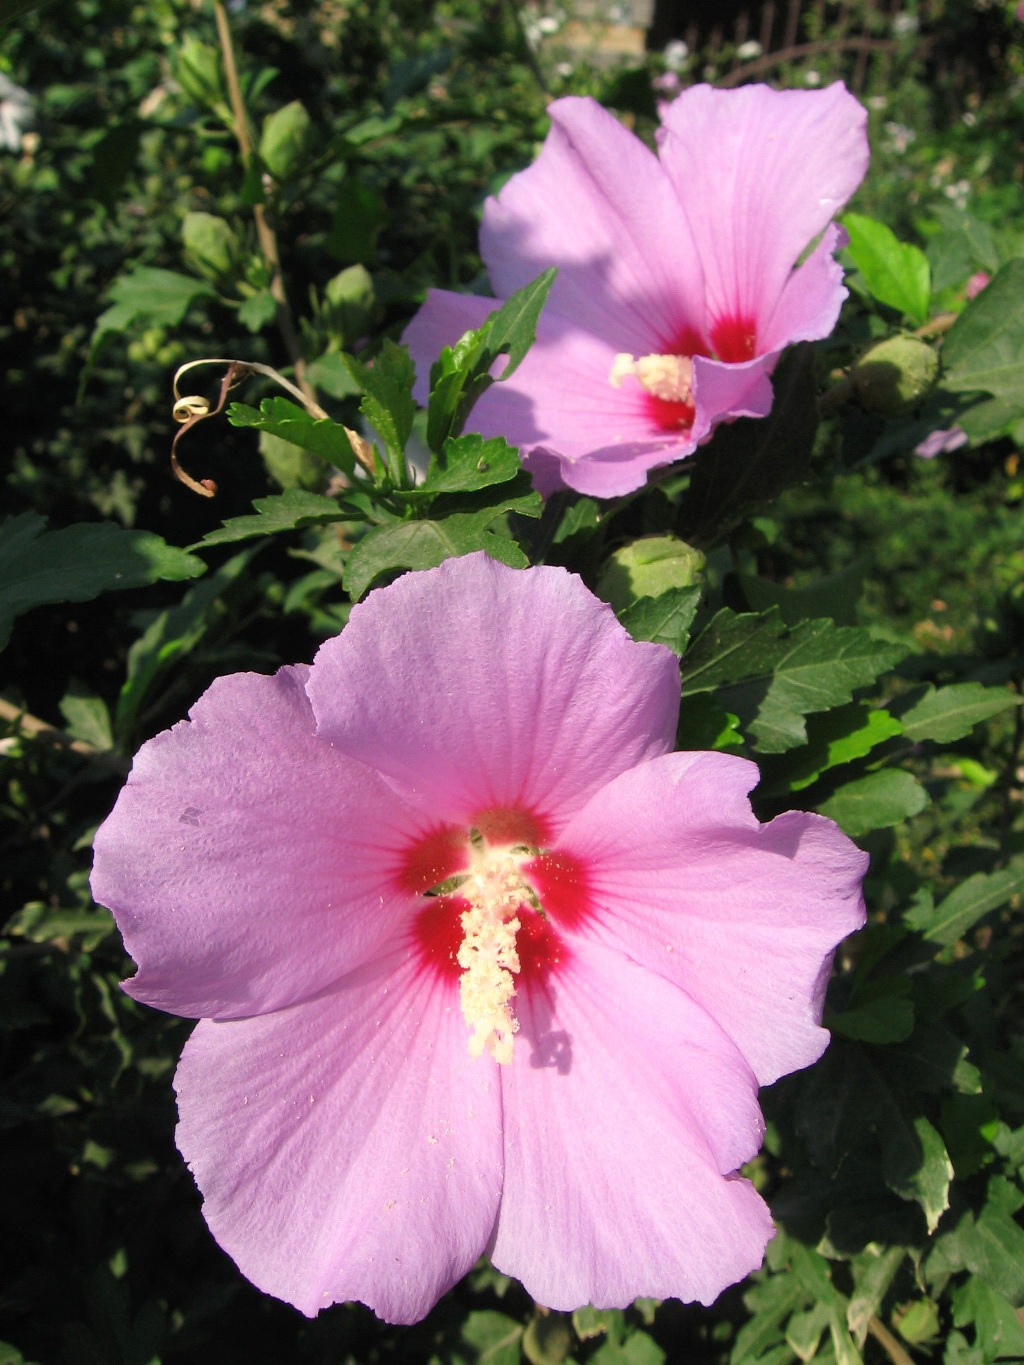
[[348, 1147], [474, 685], [723, 391], [812, 296], [626, 1109], [198, 858], [760, 173], [743, 916], [597, 204]]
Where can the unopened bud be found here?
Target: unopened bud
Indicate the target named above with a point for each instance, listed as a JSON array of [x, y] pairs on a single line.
[[648, 568], [894, 375]]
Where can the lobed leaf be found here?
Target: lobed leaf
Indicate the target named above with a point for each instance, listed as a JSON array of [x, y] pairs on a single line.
[[950, 713], [287, 511], [78, 563], [286, 420]]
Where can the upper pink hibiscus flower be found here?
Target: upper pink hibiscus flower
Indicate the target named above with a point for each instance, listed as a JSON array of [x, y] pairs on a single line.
[[481, 965], [676, 287]]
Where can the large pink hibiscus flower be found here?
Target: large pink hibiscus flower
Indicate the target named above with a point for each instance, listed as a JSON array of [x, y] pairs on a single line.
[[480, 964], [676, 288]]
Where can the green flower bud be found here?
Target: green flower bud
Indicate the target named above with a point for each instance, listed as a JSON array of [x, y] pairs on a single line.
[[894, 375], [286, 141], [648, 568], [199, 74], [211, 245], [348, 303]]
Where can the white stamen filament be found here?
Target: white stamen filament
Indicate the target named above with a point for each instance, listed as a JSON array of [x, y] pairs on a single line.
[[669, 377], [488, 957]]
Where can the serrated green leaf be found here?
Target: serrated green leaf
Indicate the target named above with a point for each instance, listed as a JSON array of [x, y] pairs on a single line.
[[146, 297], [87, 717], [804, 1329], [598, 1322], [494, 1337], [950, 713], [257, 311], [770, 1303], [875, 801], [425, 544], [916, 1165], [388, 403], [997, 1328], [968, 903], [78, 563], [468, 463], [547, 1339], [835, 737], [287, 511], [984, 349], [895, 273], [663, 620], [463, 372], [835, 597], [886, 1016], [171, 636], [637, 1349], [703, 724], [288, 422], [874, 1272], [772, 678], [993, 1248]]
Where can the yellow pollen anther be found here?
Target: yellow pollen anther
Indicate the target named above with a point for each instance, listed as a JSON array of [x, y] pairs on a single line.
[[669, 377], [488, 957]]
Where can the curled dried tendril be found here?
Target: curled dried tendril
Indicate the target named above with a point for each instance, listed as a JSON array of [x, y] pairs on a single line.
[[192, 408]]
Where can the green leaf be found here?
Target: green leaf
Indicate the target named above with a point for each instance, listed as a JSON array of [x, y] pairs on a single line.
[[598, 1322], [387, 402], [286, 420], [875, 801], [874, 1274], [463, 372], [87, 717], [748, 462], [79, 563], [916, 1165], [494, 1337], [997, 1328], [547, 1339], [286, 512], [962, 908], [257, 311], [984, 349], [895, 273], [950, 713], [835, 596], [468, 463], [886, 1016], [171, 636], [771, 678], [703, 724], [146, 297], [834, 737], [637, 1349], [993, 1248], [425, 544], [663, 620]]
